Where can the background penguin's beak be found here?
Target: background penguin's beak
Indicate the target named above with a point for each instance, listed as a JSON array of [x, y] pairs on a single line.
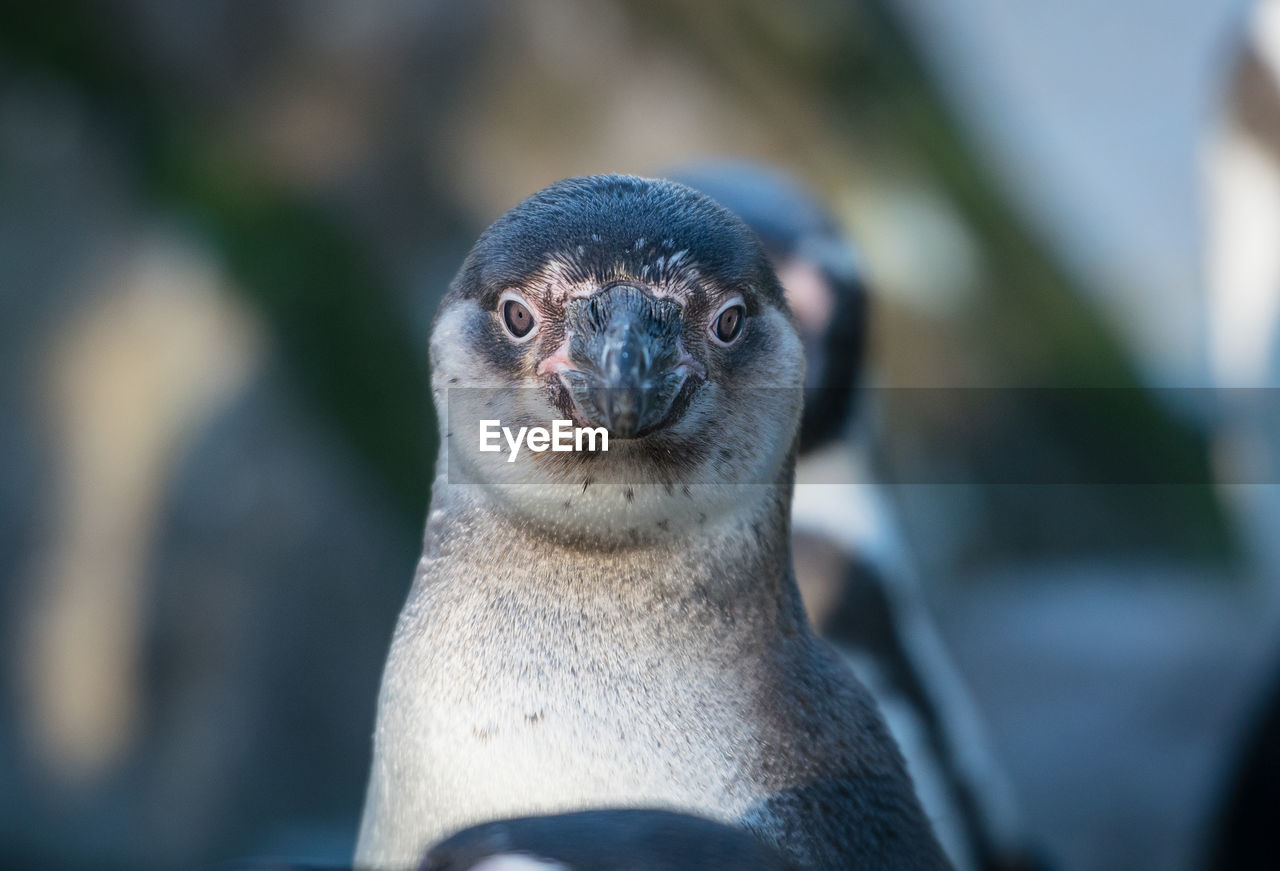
[[628, 365]]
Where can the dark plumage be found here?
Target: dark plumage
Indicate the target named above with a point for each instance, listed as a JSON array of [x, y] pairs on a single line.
[[606, 227]]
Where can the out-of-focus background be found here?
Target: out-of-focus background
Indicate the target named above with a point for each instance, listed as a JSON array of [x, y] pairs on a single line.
[[224, 228]]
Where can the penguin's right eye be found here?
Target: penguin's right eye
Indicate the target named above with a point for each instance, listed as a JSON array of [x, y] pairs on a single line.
[[726, 326], [517, 318]]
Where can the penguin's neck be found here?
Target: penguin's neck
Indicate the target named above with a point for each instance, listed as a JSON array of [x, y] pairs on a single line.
[[735, 567]]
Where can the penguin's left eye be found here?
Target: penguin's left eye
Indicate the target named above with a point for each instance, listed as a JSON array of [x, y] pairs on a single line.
[[728, 323], [517, 317]]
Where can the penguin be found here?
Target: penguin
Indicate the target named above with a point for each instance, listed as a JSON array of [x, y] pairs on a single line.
[[854, 572], [619, 626], [1242, 217]]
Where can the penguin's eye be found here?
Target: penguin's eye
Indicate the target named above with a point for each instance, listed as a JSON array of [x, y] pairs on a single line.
[[517, 317], [727, 326]]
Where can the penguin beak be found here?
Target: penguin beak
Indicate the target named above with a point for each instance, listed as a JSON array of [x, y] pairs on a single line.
[[627, 364]]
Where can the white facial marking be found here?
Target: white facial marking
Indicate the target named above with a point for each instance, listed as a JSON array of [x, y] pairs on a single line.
[[558, 283]]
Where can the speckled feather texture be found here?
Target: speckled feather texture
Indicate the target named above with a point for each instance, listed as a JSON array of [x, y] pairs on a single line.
[[587, 631]]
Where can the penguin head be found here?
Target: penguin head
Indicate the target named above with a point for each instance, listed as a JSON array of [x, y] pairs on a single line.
[[630, 307]]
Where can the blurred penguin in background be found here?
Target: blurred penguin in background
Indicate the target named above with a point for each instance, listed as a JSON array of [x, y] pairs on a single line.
[[1242, 284], [852, 569], [1242, 222]]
